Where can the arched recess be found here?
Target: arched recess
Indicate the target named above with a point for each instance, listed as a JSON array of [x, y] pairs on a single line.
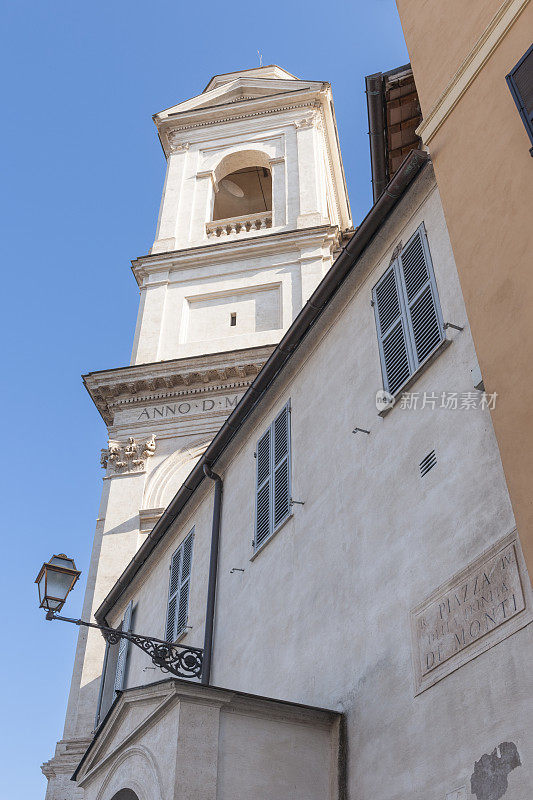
[[168, 476], [244, 185], [134, 771]]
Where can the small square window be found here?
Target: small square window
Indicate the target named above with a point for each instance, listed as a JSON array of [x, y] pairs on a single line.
[[233, 319]]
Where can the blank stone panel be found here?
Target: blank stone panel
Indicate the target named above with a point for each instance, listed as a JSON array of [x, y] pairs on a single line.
[[210, 317]]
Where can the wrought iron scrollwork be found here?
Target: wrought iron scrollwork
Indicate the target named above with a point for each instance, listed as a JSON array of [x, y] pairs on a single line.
[[185, 662], [182, 661]]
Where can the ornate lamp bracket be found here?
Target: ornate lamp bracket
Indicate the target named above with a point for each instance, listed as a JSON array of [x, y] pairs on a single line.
[[182, 661]]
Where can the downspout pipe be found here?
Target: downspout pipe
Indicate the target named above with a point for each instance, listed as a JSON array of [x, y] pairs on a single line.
[[212, 582], [376, 132]]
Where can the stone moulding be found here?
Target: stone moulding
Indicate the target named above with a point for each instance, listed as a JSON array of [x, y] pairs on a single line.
[[142, 383], [478, 607], [500, 24]]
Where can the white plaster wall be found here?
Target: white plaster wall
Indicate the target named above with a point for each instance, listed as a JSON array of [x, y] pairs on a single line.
[[321, 615]]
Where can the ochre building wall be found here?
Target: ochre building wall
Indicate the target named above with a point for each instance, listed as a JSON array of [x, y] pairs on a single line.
[[480, 151]]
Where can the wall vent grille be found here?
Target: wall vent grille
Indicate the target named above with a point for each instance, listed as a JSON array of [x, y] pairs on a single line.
[[427, 463]]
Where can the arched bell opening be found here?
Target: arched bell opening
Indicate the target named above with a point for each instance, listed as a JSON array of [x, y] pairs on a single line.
[[243, 192]]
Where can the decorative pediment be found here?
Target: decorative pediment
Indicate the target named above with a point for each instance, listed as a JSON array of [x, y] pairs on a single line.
[[236, 90], [161, 736], [131, 716]]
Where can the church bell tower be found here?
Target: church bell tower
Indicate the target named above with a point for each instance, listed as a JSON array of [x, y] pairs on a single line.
[[254, 208]]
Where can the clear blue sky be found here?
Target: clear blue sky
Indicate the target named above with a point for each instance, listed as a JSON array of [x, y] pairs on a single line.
[[82, 174]]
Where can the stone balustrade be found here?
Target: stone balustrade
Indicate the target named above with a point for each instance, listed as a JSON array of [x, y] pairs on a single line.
[[239, 225]]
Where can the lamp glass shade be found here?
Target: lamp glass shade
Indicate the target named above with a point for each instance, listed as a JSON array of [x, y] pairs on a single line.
[[55, 580]]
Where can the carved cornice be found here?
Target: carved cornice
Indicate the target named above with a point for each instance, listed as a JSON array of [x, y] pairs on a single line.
[[163, 380], [220, 252], [245, 115], [483, 49]]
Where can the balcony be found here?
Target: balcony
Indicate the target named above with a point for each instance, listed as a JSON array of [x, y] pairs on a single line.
[[250, 223]]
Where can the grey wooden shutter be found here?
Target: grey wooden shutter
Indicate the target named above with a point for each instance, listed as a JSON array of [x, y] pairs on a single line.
[[263, 489], [123, 648], [281, 467], [421, 299], [178, 592], [520, 82], [407, 310], [185, 579], [391, 323], [273, 477]]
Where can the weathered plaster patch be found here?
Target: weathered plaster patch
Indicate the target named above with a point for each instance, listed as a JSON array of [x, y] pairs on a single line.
[[489, 779]]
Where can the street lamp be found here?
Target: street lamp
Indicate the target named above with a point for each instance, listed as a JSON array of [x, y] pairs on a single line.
[[55, 580]]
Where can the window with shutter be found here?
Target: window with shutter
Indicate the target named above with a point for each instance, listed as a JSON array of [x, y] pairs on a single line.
[[407, 310], [123, 647], [273, 473], [520, 82], [178, 591]]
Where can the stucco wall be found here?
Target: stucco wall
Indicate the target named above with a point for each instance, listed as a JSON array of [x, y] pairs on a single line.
[[321, 614]]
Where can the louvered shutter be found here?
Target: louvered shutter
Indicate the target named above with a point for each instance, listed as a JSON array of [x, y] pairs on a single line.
[[263, 489], [173, 591], [421, 300], [178, 592], [520, 81], [123, 648], [281, 467], [407, 310], [391, 323], [273, 477], [185, 579]]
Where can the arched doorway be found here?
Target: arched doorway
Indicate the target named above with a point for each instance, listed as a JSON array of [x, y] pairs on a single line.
[[125, 794]]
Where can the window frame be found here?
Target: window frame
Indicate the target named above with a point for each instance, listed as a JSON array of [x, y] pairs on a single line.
[[517, 96], [415, 365]]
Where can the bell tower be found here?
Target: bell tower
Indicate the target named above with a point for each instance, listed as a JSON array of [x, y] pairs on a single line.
[[254, 208]]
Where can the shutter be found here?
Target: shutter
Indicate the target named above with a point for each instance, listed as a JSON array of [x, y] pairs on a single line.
[[392, 331], [263, 489], [123, 651], [185, 579], [421, 298], [520, 81], [281, 466], [175, 567], [178, 592]]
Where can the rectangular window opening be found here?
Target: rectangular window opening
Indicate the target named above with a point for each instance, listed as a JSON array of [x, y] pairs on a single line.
[[233, 319]]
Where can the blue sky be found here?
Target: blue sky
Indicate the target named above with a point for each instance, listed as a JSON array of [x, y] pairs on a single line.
[[82, 174]]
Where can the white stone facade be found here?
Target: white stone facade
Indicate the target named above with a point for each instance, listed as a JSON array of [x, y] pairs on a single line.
[[213, 303], [321, 615]]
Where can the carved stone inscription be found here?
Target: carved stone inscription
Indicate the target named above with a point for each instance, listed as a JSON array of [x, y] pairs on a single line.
[[449, 628], [188, 407]]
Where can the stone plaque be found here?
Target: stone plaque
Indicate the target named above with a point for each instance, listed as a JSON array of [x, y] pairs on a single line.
[[477, 608]]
